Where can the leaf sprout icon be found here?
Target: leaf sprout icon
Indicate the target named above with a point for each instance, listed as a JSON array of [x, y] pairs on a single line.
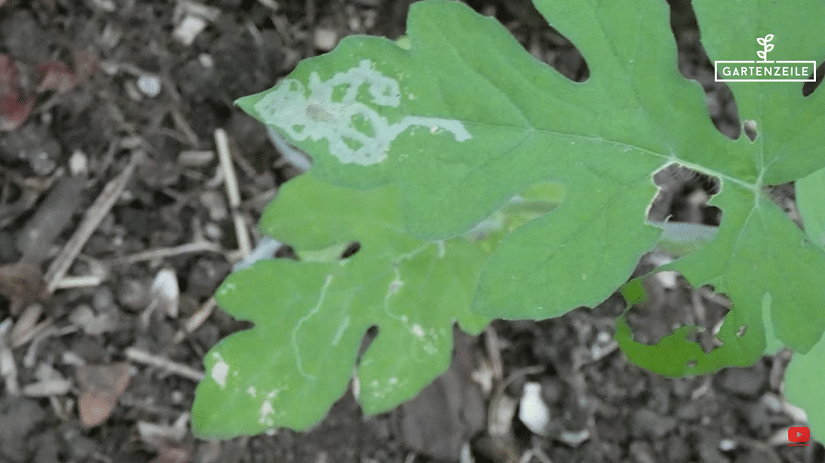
[[767, 47]]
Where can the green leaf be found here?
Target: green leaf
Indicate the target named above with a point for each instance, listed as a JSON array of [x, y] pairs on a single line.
[[675, 355], [789, 145], [310, 317], [804, 379], [810, 200], [463, 119]]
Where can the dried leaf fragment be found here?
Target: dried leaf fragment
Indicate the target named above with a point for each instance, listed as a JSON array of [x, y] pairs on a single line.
[[165, 293], [22, 281], [14, 110], [100, 387]]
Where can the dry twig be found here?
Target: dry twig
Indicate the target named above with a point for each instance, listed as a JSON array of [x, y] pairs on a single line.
[[102, 205], [140, 356], [232, 191]]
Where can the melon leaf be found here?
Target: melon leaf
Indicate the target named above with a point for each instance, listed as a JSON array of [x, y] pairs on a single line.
[[427, 140], [310, 317]]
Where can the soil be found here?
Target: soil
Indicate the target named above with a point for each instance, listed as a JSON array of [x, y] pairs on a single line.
[[122, 100]]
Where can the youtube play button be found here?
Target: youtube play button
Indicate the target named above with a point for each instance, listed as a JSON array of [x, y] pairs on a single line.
[[799, 434]]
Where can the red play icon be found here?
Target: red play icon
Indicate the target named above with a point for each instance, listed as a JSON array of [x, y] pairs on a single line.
[[799, 434]]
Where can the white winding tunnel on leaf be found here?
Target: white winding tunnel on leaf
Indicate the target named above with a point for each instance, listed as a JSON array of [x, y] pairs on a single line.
[[321, 117]]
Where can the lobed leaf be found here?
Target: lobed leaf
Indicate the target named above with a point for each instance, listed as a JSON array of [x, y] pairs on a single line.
[[464, 118], [426, 140], [310, 317], [804, 378]]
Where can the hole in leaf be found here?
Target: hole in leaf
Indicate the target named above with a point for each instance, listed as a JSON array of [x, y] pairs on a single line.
[[366, 341], [749, 127], [741, 331], [670, 303], [683, 197], [286, 252], [694, 64], [692, 363], [351, 250], [809, 88], [562, 55], [537, 37], [784, 196]]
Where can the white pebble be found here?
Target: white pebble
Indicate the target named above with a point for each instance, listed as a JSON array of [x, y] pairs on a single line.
[[149, 85], [533, 412], [325, 39]]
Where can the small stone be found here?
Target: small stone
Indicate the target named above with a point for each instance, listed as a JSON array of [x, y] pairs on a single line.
[[688, 411], [45, 448], [103, 299], [133, 295], [744, 382], [206, 61], [212, 231], [33, 144], [205, 276], [80, 446], [78, 163], [22, 36], [325, 39], [533, 412], [641, 452], [646, 423], [677, 450], [188, 29], [18, 417], [149, 85], [708, 447]]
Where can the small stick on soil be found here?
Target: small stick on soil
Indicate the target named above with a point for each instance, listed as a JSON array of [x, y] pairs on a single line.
[[179, 369], [195, 320], [85, 281], [494, 352], [197, 246], [102, 205], [46, 388], [29, 335], [25, 322], [232, 192], [27, 327], [8, 369]]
